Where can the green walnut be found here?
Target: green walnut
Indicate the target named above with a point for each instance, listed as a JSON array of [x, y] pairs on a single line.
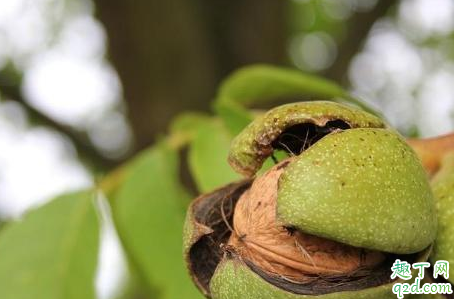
[[327, 221], [443, 186]]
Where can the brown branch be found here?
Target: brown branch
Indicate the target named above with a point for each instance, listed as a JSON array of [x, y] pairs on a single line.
[[10, 89], [359, 27]]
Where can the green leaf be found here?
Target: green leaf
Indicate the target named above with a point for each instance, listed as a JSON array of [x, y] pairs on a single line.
[[149, 213], [188, 122], [208, 154], [52, 252], [184, 127], [261, 84]]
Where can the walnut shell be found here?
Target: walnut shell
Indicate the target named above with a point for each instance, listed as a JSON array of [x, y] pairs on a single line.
[[259, 237]]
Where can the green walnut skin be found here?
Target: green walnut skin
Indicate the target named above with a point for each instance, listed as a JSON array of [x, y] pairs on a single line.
[[252, 146], [443, 186], [234, 280], [362, 187], [427, 279], [426, 296]]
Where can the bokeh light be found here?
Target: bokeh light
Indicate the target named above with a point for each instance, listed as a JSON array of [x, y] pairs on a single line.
[[407, 78], [60, 49], [313, 51]]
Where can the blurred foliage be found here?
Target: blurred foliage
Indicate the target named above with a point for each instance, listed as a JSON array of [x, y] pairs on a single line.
[[57, 243], [264, 84], [148, 209], [52, 252], [210, 142]]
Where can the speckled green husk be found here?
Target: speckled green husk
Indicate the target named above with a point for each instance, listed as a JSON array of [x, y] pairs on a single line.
[[425, 296], [363, 187], [427, 279], [252, 146], [234, 280], [443, 186]]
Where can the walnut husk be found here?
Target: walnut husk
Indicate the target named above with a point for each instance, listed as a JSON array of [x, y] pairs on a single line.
[[259, 237]]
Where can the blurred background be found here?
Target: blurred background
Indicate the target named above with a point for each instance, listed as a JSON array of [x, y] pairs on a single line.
[[86, 84]]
